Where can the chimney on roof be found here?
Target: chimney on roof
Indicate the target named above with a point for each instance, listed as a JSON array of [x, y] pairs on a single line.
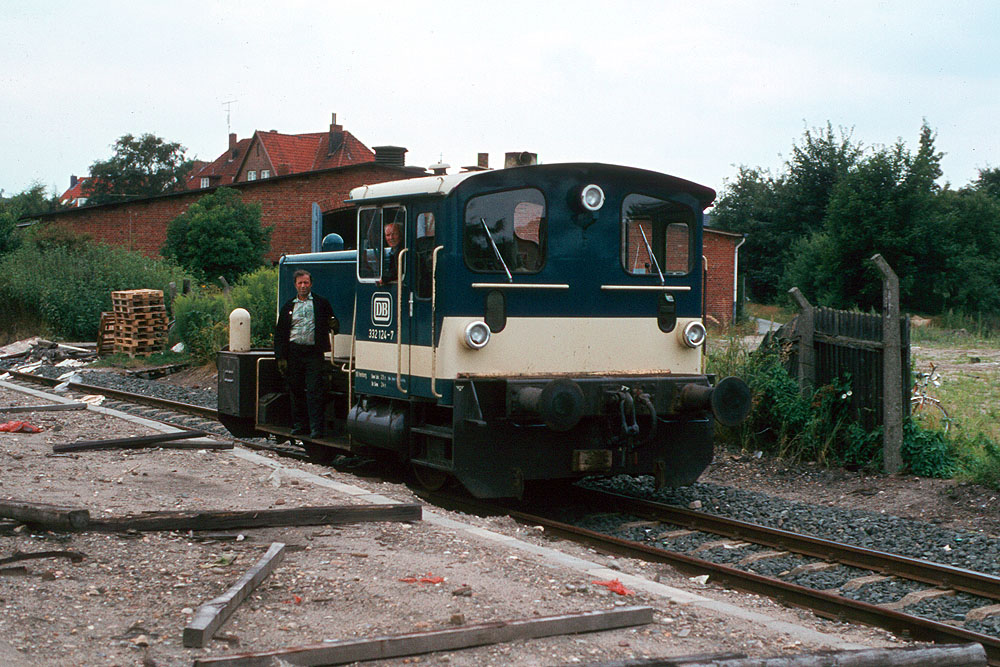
[[73, 180], [232, 146], [482, 163], [394, 156], [522, 159], [336, 136]]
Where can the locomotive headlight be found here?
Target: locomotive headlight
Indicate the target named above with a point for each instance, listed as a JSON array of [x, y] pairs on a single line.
[[477, 334], [693, 334], [592, 197]]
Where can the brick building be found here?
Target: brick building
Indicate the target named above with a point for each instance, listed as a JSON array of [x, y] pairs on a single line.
[[286, 206], [289, 175], [721, 260]]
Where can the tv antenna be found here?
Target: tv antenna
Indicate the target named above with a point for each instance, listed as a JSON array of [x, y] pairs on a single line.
[[229, 108]]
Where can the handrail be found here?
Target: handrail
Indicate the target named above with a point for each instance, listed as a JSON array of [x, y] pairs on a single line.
[[399, 320], [647, 288], [434, 349]]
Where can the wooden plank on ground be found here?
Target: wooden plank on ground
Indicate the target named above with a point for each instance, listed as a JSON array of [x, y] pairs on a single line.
[[43, 408], [956, 655], [50, 516], [211, 615], [136, 442], [480, 634], [74, 556], [225, 520]]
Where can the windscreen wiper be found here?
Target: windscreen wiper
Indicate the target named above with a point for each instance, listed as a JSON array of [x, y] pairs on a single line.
[[652, 256], [496, 250]]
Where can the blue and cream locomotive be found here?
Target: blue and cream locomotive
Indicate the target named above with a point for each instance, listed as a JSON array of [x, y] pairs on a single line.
[[535, 323]]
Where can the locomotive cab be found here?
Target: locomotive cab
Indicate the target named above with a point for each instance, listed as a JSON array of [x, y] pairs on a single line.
[[531, 323]]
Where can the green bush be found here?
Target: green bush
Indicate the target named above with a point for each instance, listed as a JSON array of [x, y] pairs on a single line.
[[66, 281], [258, 293], [927, 453], [218, 235], [202, 318], [978, 460], [199, 322]]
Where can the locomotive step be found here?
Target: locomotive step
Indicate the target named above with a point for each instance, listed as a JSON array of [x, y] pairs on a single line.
[[445, 432]]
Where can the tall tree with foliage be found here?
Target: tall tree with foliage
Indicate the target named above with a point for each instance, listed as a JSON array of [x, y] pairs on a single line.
[[141, 167], [886, 204], [776, 212], [218, 235]]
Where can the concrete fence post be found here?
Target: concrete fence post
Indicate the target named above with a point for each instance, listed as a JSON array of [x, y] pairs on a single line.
[[892, 372], [805, 330]]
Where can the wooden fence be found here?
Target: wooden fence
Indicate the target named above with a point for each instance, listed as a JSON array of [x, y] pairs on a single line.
[[871, 350], [843, 345]]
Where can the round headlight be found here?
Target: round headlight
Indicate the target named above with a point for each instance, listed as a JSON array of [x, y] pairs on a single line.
[[592, 197], [694, 334], [477, 334]]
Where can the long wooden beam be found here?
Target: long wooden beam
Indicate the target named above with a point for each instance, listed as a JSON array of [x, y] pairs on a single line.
[[224, 520], [52, 516], [210, 616], [131, 443], [51, 407], [394, 646]]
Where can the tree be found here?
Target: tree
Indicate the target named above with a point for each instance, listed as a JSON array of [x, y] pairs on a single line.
[[141, 167], [218, 235], [888, 203], [777, 212], [32, 201]]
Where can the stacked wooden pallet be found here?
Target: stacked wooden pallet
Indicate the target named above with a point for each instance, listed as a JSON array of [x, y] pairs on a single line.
[[106, 335], [140, 321]]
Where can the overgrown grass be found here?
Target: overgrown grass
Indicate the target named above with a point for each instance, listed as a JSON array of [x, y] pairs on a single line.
[[65, 281]]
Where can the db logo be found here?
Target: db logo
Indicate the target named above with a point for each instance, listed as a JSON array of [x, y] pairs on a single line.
[[381, 309]]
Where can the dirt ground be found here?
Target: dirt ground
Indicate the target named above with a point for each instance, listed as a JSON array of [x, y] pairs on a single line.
[[127, 601]]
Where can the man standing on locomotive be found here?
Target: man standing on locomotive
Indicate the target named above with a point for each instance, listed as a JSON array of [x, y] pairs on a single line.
[[301, 337]]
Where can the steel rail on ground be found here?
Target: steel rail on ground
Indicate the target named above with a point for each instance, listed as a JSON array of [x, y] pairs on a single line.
[[935, 574]]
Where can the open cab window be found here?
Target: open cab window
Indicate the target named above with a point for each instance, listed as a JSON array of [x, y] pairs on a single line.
[[505, 232], [374, 253], [656, 236]]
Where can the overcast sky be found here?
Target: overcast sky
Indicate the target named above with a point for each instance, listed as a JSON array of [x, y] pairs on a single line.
[[693, 89]]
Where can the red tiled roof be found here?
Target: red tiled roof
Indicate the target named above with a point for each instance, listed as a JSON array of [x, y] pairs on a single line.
[[222, 170], [74, 192], [288, 154]]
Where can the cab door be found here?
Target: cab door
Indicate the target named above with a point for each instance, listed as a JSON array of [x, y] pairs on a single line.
[[421, 299], [382, 325]]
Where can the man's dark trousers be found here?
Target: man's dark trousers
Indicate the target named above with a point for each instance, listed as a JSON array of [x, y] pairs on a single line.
[[305, 383]]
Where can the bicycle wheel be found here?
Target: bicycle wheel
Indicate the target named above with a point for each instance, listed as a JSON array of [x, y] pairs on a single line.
[[929, 414]]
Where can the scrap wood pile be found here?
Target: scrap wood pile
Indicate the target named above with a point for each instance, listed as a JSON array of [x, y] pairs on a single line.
[[39, 351]]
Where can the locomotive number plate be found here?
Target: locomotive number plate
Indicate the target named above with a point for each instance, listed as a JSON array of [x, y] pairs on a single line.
[[586, 460]]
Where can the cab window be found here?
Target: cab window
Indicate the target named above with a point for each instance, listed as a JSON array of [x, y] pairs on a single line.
[[660, 227], [506, 230], [425, 253], [374, 252]]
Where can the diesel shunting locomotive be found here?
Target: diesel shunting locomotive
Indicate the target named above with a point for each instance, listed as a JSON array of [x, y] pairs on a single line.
[[536, 323]]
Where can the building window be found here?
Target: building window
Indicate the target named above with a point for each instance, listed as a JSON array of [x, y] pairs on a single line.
[[252, 175], [204, 182], [265, 173]]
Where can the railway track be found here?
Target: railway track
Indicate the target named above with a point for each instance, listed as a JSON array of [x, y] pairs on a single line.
[[732, 534], [180, 415]]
